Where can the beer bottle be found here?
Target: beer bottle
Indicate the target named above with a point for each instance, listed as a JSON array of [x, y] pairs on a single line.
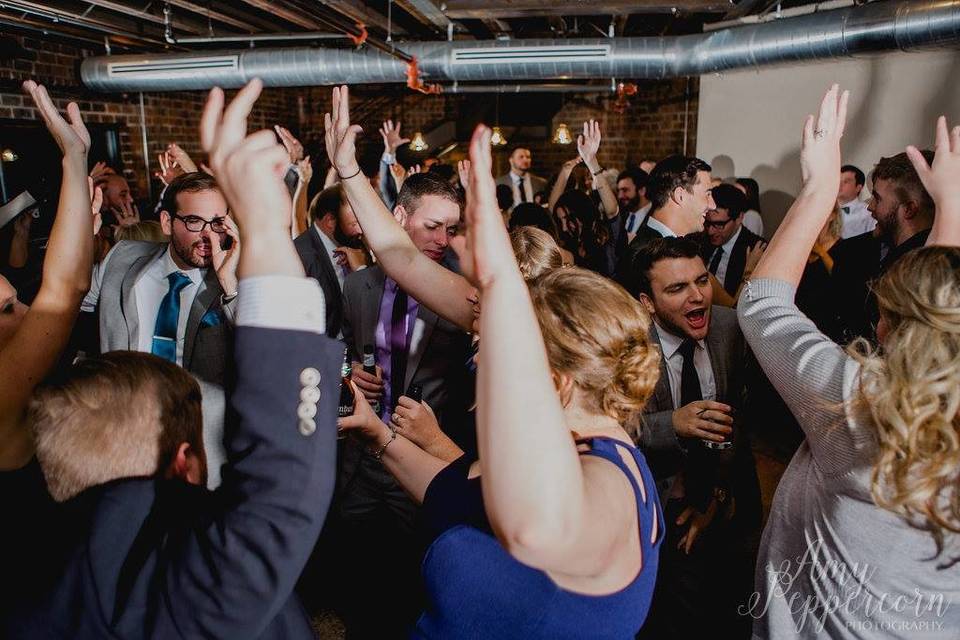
[[345, 407], [370, 366]]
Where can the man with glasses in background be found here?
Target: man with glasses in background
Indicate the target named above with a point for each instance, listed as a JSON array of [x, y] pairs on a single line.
[[726, 239], [174, 299]]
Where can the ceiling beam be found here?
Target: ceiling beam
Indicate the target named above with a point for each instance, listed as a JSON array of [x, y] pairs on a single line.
[[127, 10], [487, 9], [425, 11], [278, 9], [247, 22], [357, 12]]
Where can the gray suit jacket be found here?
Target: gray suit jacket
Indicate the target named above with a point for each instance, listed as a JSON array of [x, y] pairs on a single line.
[[207, 344], [728, 355], [536, 182], [438, 356]]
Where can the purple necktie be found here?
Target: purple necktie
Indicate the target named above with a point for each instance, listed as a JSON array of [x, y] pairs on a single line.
[[398, 345]]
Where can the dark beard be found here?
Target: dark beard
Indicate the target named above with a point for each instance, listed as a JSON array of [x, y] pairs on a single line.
[[185, 253]]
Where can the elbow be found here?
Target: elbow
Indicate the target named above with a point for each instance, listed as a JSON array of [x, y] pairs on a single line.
[[534, 543]]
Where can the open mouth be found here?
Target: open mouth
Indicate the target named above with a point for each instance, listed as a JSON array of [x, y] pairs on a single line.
[[203, 249], [697, 319], [433, 255]]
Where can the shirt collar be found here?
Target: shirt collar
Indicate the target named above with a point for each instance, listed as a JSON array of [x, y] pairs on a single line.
[[328, 243], [664, 230], [644, 210], [169, 266], [670, 343], [728, 245]]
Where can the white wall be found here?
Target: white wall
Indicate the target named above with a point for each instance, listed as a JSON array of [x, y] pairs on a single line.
[[750, 121]]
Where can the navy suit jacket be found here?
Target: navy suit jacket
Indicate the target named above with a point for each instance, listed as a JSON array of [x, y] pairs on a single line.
[[158, 558]]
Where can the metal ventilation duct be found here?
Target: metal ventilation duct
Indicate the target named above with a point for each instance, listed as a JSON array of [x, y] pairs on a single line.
[[878, 26]]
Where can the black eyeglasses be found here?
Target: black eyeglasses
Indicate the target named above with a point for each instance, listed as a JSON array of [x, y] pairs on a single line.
[[196, 223], [716, 224]]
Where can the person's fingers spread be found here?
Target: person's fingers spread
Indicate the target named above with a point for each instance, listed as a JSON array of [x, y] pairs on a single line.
[[918, 161], [842, 113], [943, 137], [955, 140], [235, 115]]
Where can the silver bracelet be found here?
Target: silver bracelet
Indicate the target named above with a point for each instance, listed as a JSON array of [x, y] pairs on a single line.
[[379, 454]]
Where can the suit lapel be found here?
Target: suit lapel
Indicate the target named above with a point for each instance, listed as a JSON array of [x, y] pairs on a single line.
[[207, 294], [423, 328], [662, 395], [370, 311], [128, 302], [717, 362]]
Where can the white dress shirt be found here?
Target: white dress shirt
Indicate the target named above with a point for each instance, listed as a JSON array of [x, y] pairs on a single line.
[[148, 292], [518, 183], [635, 219], [856, 219], [725, 256], [330, 245], [660, 228], [670, 344]]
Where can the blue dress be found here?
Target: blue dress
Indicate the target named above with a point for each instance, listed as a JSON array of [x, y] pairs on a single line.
[[476, 589]]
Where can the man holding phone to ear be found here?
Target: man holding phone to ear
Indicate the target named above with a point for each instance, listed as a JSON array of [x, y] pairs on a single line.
[[175, 299]]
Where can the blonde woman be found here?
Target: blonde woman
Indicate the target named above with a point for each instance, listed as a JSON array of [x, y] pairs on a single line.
[[557, 540], [862, 537]]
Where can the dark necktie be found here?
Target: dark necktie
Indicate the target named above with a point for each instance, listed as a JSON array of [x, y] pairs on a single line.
[[398, 346], [689, 380], [715, 261], [522, 188], [165, 330], [631, 222]]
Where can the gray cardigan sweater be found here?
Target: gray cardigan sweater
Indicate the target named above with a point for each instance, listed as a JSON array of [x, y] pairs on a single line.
[[832, 564]]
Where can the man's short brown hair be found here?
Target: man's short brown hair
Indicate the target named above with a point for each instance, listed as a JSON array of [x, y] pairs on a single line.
[[118, 415], [906, 182], [193, 182]]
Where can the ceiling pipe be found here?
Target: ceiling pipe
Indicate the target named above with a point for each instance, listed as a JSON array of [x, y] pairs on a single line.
[[528, 88], [904, 25]]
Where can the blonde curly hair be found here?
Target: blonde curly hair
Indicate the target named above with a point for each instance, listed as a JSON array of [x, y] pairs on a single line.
[[911, 388], [598, 334]]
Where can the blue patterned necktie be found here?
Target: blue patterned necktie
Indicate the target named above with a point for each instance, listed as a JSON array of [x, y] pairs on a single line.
[[165, 332]]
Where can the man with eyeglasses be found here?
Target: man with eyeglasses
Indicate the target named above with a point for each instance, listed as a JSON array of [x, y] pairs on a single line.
[[174, 299], [727, 240]]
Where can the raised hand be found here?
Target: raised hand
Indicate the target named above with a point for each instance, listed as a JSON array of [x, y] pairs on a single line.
[[942, 178], [399, 174], [588, 144], [182, 158], [96, 201], [820, 150], [72, 137], [127, 214], [340, 136], [463, 171], [249, 169], [484, 250], [305, 170], [351, 258], [225, 260], [100, 170], [391, 136], [169, 167], [290, 143]]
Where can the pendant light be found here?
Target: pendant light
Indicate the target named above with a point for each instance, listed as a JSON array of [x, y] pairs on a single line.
[[497, 139], [562, 135], [418, 143]]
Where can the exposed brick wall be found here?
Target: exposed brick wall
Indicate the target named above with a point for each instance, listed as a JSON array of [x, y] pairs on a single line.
[[653, 125]]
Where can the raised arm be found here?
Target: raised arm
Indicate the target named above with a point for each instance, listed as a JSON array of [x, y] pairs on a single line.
[[534, 487], [560, 185], [786, 255], [440, 289], [32, 351], [942, 182], [588, 144], [235, 571]]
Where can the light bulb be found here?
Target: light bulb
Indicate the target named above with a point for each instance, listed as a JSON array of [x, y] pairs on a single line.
[[418, 143], [497, 139], [562, 135], [8, 155]]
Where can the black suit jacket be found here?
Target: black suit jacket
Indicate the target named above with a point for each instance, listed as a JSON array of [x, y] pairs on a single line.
[[158, 558], [317, 264], [738, 258], [734, 469]]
